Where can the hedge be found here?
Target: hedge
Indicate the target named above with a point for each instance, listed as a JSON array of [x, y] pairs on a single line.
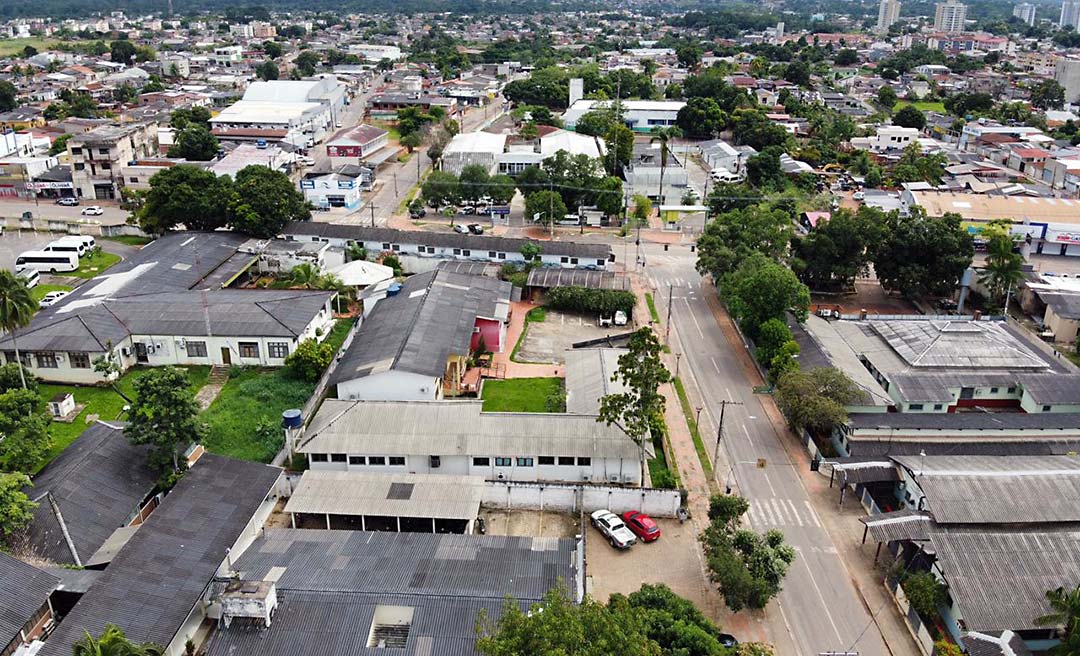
[[582, 299]]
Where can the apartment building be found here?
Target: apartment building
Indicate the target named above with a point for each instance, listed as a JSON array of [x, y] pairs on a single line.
[[97, 156]]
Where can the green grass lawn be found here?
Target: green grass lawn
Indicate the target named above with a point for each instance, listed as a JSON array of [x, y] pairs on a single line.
[[691, 422], [10, 47], [922, 105], [524, 395], [101, 401], [92, 265], [653, 314], [131, 240], [39, 291], [338, 333]]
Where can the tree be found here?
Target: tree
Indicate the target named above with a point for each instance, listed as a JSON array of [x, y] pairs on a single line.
[[925, 592], [1064, 615], [619, 141], [798, 72], [689, 55], [306, 62], [440, 188], [272, 49], [122, 51], [886, 98], [836, 251], [185, 195], [411, 141], [846, 57], [501, 189], [763, 170], [751, 127], [726, 509], [195, 143], [641, 372], [701, 118], [164, 414], [1048, 94], [113, 642], [531, 251], [609, 196], [674, 623], [1004, 269], [305, 275], [29, 51], [918, 255], [25, 432], [815, 400], [642, 209], [13, 375], [544, 207], [773, 336], [760, 289], [8, 93], [16, 508], [473, 182], [265, 201], [154, 84], [17, 308], [733, 236], [267, 70], [663, 135], [914, 166], [309, 360], [187, 116], [909, 116]]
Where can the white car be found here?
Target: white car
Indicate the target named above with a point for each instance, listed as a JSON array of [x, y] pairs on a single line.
[[613, 528], [859, 195], [620, 318], [52, 298], [307, 161], [93, 210]]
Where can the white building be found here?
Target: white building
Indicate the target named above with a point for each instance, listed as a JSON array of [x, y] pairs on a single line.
[[227, 56], [892, 137], [1070, 14], [376, 52], [294, 122], [949, 16], [639, 115], [457, 438], [1067, 74], [888, 13], [242, 31], [340, 187], [1025, 11], [467, 148]]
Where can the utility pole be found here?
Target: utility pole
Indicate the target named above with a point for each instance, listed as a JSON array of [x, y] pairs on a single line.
[[724, 403], [371, 206], [551, 214], [667, 329], [395, 184]]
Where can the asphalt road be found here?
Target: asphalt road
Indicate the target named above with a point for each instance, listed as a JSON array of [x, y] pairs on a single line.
[[47, 209]]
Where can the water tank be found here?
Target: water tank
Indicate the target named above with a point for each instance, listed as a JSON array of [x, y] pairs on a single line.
[[394, 289], [292, 419]]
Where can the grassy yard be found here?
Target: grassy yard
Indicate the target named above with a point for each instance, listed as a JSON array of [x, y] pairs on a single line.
[[524, 395], [131, 240], [101, 401], [39, 291], [10, 47], [537, 314], [338, 333], [653, 314], [92, 265], [922, 105]]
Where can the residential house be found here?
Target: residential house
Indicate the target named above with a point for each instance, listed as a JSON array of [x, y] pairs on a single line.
[[339, 187], [25, 611]]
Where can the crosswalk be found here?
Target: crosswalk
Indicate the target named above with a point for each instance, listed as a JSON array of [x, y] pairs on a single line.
[[781, 512], [662, 284]]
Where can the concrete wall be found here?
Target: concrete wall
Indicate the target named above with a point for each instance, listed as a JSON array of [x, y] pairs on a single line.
[[599, 470], [581, 498], [391, 386]]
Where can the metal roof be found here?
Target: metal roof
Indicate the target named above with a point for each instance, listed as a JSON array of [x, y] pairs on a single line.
[[952, 344], [387, 495], [899, 525], [852, 473], [458, 428], [1067, 422], [96, 485], [999, 580], [589, 376], [23, 590], [1003, 643], [153, 584], [548, 277]]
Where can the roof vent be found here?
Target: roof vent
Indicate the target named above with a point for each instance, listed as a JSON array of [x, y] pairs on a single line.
[[390, 627]]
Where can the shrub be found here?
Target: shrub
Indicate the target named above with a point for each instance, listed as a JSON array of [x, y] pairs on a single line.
[[581, 299], [663, 479], [309, 360], [925, 593]]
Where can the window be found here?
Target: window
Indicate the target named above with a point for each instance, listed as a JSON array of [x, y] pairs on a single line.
[[503, 462], [395, 247], [434, 462], [79, 166], [547, 460], [564, 260], [1046, 408], [466, 253], [196, 349], [76, 150], [457, 251], [106, 166], [915, 406], [431, 250], [103, 151], [584, 462], [566, 461], [278, 349], [599, 263], [249, 349], [937, 406], [318, 457], [491, 254], [376, 460], [357, 460], [133, 180], [502, 256], [79, 360], [1012, 390], [993, 390], [386, 246], [337, 457], [45, 360], [573, 260], [524, 462], [481, 462], [397, 461]]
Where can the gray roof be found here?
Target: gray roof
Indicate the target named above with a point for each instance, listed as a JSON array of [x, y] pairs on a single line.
[[151, 587], [899, 525], [97, 483], [444, 239], [387, 495], [967, 421], [1066, 306], [417, 330], [997, 643], [547, 277], [458, 428], [23, 590], [589, 375], [940, 387], [999, 580], [996, 490]]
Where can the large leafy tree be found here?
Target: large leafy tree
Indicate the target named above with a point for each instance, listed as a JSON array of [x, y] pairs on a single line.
[[915, 166], [1065, 616], [164, 415], [760, 290], [733, 236], [122, 51], [573, 177], [186, 116], [1048, 94], [918, 255], [1004, 268], [641, 372], [24, 432], [473, 182], [265, 201], [16, 508], [440, 187], [702, 118], [751, 127], [195, 143], [8, 93], [545, 207], [836, 251], [17, 308], [186, 195], [909, 116], [113, 642], [816, 399]]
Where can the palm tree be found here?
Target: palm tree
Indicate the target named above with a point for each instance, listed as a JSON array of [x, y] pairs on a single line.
[[330, 282], [305, 275], [663, 135], [17, 307], [113, 643], [1003, 269], [1065, 616]]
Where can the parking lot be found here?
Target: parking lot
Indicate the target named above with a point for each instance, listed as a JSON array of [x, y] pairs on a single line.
[[14, 242], [546, 341], [530, 523]]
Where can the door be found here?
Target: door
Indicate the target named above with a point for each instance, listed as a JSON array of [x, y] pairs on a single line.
[[140, 352], [226, 355]]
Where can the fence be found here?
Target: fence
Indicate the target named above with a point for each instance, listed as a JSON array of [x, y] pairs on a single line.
[[911, 619], [574, 498]]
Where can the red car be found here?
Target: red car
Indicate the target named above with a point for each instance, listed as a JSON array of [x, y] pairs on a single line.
[[642, 525]]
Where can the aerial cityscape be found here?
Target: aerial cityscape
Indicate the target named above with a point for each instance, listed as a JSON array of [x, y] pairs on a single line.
[[500, 328]]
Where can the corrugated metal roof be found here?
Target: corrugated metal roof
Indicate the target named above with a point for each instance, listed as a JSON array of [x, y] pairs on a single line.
[[548, 277], [589, 376], [23, 590], [387, 495], [899, 525], [152, 585], [458, 428]]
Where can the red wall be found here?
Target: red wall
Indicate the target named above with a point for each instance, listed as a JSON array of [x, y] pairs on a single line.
[[491, 330]]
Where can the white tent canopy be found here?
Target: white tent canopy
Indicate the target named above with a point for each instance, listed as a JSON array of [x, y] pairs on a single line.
[[361, 273]]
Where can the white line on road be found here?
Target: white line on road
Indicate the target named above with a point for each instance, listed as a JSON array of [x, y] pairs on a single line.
[[795, 512], [730, 396], [813, 514], [824, 604], [715, 366], [696, 324]]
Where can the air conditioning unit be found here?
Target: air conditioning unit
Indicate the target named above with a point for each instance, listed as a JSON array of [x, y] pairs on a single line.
[[586, 478], [181, 343], [59, 357], [614, 478], [627, 478]]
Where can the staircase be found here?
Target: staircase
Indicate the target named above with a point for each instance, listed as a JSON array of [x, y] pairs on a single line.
[[219, 375]]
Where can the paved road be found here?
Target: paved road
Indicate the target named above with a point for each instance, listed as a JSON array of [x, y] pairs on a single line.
[[47, 209], [819, 609]]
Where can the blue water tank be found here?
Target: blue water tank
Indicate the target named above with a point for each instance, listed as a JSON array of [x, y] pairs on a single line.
[[394, 289], [292, 419]]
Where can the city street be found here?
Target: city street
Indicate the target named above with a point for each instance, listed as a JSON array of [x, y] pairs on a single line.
[[11, 208]]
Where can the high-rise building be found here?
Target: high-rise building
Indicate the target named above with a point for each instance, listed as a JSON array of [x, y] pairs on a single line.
[[1025, 11], [888, 13], [949, 16], [1067, 74], [1070, 14]]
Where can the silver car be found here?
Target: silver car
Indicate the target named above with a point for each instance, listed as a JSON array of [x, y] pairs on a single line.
[[613, 528]]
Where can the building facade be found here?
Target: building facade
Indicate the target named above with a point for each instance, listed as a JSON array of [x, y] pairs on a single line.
[[1025, 11], [1070, 14], [888, 13], [97, 157], [950, 16]]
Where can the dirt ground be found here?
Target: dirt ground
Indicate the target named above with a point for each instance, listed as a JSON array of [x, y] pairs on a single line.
[[545, 341], [530, 523], [868, 296]]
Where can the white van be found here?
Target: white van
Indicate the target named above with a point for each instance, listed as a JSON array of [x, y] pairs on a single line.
[[30, 276], [85, 240], [62, 246], [51, 261], [721, 174]]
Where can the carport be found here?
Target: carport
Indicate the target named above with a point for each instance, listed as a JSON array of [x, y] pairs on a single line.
[[361, 501]]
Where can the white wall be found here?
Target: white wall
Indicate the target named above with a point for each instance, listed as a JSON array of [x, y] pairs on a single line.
[[600, 470], [565, 498], [391, 386]]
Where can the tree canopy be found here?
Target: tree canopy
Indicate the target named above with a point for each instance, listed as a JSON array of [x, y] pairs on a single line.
[[733, 236], [836, 251], [164, 415], [919, 256], [761, 289], [816, 399]]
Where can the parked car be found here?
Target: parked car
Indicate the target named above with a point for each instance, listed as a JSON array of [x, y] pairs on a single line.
[[604, 320], [461, 230], [52, 298], [307, 161], [476, 228], [613, 528], [859, 195], [728, 640], [93, 210], [468, 209], [418, 213], [620, 318], [642, 525], [67, 201]]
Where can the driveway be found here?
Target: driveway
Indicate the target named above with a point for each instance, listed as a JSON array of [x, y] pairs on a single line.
[[546, 341]]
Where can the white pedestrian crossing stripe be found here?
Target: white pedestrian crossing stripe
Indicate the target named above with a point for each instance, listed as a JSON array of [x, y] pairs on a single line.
[[781, 512]]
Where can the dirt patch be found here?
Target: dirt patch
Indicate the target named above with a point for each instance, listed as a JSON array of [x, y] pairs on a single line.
[[530, 523], [546, 341], [868, 296]]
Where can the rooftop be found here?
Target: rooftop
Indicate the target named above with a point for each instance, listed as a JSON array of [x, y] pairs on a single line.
[[589, 377], [23, 590], [1016, 209], [387, 495], [255, 111]]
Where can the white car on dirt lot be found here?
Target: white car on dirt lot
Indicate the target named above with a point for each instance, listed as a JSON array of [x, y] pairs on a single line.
[[613, 528]]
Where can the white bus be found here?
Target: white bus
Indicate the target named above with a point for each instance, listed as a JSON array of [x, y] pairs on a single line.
[[63, 246], [85, 240], [29, 276], [51, 261]]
